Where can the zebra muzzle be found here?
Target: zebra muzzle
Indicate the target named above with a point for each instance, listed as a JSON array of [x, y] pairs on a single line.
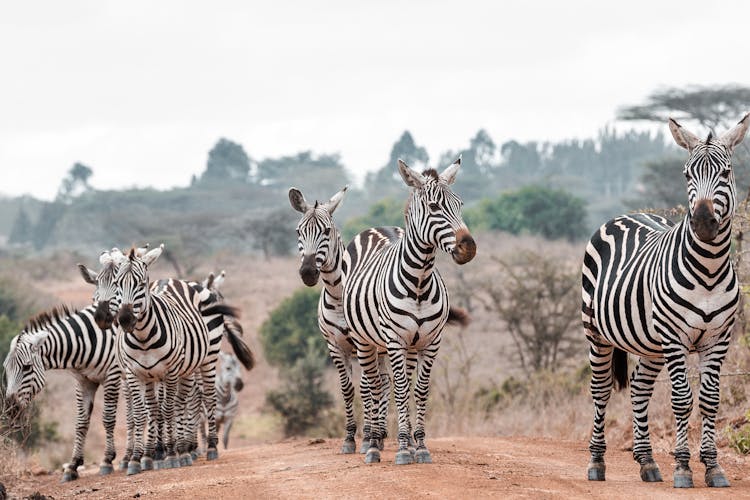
[[703, 222], [308, 271], [126, 318], [102, 316], [466, 247]]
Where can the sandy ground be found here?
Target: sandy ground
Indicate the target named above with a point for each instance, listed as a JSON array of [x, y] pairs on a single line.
[[463, 468]]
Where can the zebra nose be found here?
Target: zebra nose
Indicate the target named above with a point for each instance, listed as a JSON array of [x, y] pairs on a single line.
[[466, 247], [704, 222], [103, 316], [126, 318], [308, 271]]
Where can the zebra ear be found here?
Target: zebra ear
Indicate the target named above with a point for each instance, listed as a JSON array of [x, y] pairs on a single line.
[[297, 199], [151, 256], [682, 136], [88, 275], [411, 177], [331, 204], [449, 174], [735, 136], [219, 280]]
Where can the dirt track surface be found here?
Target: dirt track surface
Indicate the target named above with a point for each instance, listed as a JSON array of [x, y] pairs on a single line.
[[463, 468]]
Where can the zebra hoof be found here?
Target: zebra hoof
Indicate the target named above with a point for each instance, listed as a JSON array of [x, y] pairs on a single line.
[[186, 460], [194, 455], [596, 471], [423, 456], [147, 463], [69, 475], [403, 457], [134, 468], [715, 478], [683, 478], [349, 447], [365, 446], [381, 444], [123, 465], [372, 456], [650, 472], [212, 454], [106, 469]]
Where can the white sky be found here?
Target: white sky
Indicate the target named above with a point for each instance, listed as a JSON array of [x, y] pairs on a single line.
[[141, 90]]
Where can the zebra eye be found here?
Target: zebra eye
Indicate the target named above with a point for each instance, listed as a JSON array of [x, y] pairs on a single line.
[[327, 231], [686, 172], [725, 172], [26, 367], [434, 207]]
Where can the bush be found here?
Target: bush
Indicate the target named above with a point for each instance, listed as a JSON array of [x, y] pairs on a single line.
[[386, 212], [292, 328], [739, 436], [302, 397], [551, 213]]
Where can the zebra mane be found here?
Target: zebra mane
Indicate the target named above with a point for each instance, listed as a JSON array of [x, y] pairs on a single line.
[[48, 318], [431, 172], [710, 136]]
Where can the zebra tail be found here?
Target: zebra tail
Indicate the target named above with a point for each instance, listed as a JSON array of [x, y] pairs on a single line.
[[620, 369], [222, 309], [233, 333], [458, 316]]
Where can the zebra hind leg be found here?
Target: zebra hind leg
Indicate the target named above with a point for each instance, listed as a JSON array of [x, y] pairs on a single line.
[[344, 367], [601, 359]]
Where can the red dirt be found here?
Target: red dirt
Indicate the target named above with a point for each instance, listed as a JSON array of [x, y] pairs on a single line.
[[463, 468]]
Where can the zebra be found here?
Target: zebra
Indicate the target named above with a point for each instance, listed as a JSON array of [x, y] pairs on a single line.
[[228, 384], [64, 339], [165, 337], [661, 291], [395, 300], [322, 254]]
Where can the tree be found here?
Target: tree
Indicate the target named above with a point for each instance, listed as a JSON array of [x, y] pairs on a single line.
[[273, 233], [317, 173], [712, 107], [227, 162], [22, 230], [386, 180], [292, 329], [386, 212], [75, 182], [538, 299], [551, 213]]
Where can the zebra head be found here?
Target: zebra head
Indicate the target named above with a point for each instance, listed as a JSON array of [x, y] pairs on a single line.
[[230, 374], [214, 283], [131, 282], [433, 212], [316, 233], [710, 179], [24, 370], [104, 281]]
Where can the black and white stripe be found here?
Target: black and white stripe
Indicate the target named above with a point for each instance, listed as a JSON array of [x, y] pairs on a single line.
[[68, 340], [661, 291], [395, 300]]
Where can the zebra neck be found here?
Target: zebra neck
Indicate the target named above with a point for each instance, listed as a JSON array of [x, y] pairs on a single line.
[[416, 258], [708, 258], [143, 330], [331, 272], [66, 334]]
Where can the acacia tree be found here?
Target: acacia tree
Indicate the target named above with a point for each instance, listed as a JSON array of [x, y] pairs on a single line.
[[538, 299]]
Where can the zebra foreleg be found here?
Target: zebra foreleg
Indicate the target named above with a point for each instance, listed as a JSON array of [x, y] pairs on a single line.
[[364, 393], [682, 406], [208, 376], [600, 358], [140, 413], [109, 417], [343, 364], [183, 420], [85, 393], [228, 427], [397, 356], [641, 389], [708, 397], [421, 393], [129, 424], [171, 384], [368, 360], [385, 397]]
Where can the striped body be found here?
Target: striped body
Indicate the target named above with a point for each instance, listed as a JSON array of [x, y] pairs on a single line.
[[661, 291], [396, 303], [322, 257], [71, 341]]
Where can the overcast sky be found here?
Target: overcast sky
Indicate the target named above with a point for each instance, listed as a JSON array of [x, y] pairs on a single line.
[[140, 91]]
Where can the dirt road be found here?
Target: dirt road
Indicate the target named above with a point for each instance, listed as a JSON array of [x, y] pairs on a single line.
[[464, 468]]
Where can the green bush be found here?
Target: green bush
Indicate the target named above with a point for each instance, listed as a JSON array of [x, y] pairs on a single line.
[[551, 213], [302, 398], [291, 327], [386, 212], [739, 437]]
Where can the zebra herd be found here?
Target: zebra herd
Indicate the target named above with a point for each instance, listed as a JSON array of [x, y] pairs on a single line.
[[657, 290], [165, 345]]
